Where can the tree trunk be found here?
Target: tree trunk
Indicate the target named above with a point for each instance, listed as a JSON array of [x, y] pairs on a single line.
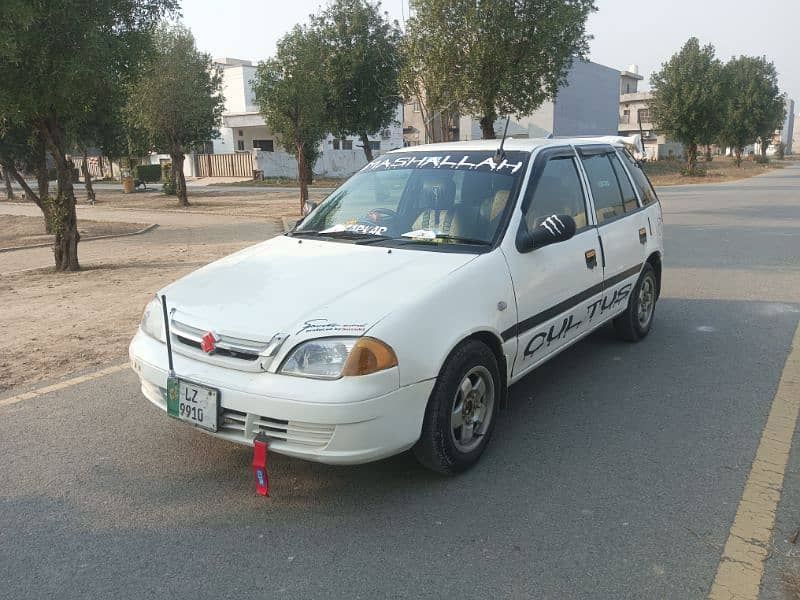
[[764, 146], [367, 147], [9, 189], [178, 177], [691, 158], [737, 153], [102, 170], [87, 179], [708, 152], [487, 124], [62, 207], [302, 174]]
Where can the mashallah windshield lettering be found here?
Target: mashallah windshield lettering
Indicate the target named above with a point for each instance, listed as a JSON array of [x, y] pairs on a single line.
[[422, 200]]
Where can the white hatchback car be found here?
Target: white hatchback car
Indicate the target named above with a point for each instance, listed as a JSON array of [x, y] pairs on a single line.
[[399, 311]]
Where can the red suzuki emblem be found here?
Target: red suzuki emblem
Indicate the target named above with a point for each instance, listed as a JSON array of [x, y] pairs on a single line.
[[208, 343]]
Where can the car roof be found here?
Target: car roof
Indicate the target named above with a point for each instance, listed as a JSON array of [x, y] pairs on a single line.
[[511, 144]]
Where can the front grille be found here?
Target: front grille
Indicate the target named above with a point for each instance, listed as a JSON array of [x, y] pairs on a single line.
[[227, 346], [249, 425], [220, 351]]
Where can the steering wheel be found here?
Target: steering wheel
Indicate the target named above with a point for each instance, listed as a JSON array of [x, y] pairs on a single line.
[[382, 214], [382, 220]]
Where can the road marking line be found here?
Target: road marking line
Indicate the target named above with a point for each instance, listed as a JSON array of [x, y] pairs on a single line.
[[742, 564], [62, 385]]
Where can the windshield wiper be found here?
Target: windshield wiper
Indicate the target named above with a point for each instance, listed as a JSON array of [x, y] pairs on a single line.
[[362, 238], [452, 238]]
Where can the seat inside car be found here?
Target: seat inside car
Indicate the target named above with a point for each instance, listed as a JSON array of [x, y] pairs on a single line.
[[437, 204]]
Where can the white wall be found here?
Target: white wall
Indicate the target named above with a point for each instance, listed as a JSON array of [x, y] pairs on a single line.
[[332, 163], [236, 89]]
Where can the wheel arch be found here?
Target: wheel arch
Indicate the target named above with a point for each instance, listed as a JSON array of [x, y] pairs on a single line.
[[493, 342], [654, 260]]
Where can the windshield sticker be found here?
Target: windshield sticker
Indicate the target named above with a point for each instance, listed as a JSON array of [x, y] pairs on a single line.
[[444, 162], [326, 326], [425, 234], [357, 228]]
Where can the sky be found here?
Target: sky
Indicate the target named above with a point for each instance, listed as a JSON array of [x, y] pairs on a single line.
[[641, 32]]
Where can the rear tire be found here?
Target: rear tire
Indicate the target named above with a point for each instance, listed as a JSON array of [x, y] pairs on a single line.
[[460, 415], [634, 324]]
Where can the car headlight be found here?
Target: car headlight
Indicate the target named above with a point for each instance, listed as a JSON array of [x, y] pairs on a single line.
[[153, 320], [331, 358]]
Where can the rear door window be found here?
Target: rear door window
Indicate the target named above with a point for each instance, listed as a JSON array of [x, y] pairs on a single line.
[[606, 192]]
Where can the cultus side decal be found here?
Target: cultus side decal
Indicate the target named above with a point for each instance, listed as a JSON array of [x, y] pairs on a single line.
[[583, 317]]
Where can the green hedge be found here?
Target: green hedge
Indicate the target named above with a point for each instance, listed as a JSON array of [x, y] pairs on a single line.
[[148, 173]]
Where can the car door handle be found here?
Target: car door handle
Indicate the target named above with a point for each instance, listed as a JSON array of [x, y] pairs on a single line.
[[591, 258], [643, 235]]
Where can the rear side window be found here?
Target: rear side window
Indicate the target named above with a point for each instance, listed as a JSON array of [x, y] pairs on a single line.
[[558, 192], [607, 195], [640, 180], [629, 202]]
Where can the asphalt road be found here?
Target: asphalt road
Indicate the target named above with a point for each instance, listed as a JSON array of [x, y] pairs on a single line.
[[615, 473]]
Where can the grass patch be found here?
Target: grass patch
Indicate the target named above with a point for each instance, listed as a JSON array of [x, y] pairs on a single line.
[[722, 168]]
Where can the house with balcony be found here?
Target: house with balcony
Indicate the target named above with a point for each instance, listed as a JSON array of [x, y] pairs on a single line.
[[246, 144], [634, 117]]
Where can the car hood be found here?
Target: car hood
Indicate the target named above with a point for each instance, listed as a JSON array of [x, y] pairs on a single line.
[[305, 288]]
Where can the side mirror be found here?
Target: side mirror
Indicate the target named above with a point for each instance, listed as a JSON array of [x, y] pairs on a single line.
[[554, 229]]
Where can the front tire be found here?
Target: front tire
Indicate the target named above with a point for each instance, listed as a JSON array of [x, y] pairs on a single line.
[[459, 418], [634, 324]]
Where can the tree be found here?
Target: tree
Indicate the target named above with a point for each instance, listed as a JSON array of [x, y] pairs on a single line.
[[361, 68], [54, 57], [689, 99], [755, 107], [178, 100], [503, 56], [291, 92], [430, 84]]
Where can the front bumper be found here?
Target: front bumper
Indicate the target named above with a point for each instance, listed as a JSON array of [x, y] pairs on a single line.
[[345, 421]]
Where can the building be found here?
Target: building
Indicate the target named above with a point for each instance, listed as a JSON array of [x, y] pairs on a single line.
[[785, 135], [586, 105], [244, 130], [421, 128], [634, 117]]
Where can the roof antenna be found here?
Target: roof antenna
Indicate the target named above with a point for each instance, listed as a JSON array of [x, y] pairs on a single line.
[[501, 154]]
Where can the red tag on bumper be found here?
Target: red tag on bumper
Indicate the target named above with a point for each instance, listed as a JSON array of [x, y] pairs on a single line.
[[260, 466]]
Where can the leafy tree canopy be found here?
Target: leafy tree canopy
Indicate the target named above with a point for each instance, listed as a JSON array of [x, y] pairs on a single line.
[[755, 107], [689, 98], [177, 101], [58, 60], [502, 57], [291, 91], [361, 67]]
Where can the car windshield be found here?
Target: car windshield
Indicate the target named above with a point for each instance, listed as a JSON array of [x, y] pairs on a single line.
[[422, 198]]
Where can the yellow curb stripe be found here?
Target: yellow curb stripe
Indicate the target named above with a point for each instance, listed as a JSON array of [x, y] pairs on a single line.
[[742, 564], [62, 385]]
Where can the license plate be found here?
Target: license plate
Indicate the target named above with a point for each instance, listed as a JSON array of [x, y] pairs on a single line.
[[195, 404]]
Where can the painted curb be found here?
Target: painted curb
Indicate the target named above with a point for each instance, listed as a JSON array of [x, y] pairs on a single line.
[[88, 239]]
